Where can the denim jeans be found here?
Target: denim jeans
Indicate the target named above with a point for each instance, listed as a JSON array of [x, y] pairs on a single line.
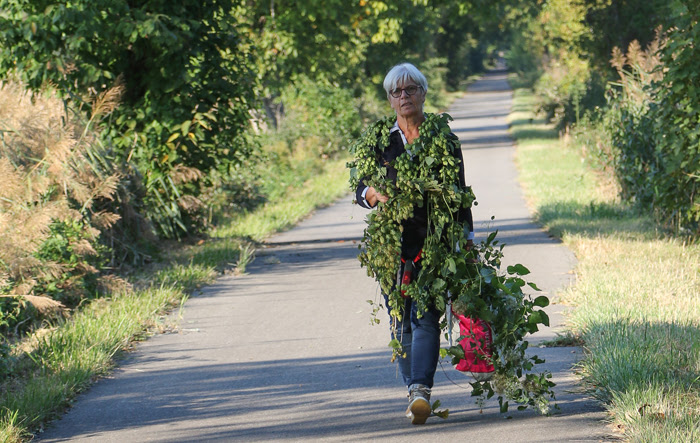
[[420, 341]]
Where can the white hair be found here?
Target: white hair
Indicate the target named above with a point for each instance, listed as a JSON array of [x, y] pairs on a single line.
[[401, 73]]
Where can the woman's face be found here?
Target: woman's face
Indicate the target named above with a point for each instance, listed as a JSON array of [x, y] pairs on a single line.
[[408, 106]]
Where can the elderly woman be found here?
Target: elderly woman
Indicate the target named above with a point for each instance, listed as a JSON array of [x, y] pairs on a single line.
[[418, 332]]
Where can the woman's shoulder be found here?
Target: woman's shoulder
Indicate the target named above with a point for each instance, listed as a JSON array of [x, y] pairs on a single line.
[[374, 138]]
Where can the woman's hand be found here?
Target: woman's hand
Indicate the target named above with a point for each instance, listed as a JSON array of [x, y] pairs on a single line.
[[373, 197]]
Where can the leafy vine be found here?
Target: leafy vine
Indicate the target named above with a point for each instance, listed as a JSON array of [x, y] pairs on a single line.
[[468, 279]]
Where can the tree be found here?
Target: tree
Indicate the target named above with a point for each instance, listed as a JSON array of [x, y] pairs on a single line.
[[187, 74], [304, 38], [616, 24]]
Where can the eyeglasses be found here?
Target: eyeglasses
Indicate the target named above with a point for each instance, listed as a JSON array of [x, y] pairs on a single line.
[[410, 90]]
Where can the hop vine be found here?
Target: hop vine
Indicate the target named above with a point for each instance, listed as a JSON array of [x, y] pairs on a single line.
[[468, 279]]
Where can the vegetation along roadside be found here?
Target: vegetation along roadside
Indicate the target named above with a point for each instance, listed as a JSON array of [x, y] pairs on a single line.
[[636, 301], [44, 370], [146, 147]]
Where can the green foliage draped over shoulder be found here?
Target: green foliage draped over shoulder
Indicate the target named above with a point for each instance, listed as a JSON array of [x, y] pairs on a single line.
[[366, 155], [427, 176], [186, 72]]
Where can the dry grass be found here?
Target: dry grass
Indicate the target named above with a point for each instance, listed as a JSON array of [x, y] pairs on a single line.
[[49, 173], [639, 68]]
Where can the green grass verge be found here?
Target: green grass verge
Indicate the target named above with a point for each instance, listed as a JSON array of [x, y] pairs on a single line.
[[284, 212], [637, 295], [50, 368]]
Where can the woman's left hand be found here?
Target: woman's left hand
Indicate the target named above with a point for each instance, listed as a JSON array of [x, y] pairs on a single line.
[[373, 197]]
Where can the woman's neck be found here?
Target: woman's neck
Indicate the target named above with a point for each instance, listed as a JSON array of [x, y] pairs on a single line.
[[409, 126]]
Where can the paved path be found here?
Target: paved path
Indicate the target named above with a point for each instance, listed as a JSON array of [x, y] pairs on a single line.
[[286, 352]]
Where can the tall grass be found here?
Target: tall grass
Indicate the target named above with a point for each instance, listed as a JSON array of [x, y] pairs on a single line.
[[636, 301], [50, 212]]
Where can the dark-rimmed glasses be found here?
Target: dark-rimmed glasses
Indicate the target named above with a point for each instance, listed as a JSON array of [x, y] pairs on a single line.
[[410, 90]]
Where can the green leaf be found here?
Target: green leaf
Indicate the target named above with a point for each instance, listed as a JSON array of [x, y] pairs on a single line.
[[451, 265], [456, 351], [541, 301], [503, 405], [439, 284], [491, 236], [538, 317], [533, 286], [185, 127], [518, 269], [442, 414], [487, 273]]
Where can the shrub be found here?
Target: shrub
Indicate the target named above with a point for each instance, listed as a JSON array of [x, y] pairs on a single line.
[[629, 122], [435, 71], [562, 88], [326, 112], [675, 120], [652, 121]]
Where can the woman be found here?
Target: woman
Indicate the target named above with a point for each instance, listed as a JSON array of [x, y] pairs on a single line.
[[419, 333]]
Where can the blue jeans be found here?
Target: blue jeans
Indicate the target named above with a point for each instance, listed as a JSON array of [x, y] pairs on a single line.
[[420, 341]]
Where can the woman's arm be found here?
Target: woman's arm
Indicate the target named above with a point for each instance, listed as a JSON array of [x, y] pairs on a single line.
[[368, 197]]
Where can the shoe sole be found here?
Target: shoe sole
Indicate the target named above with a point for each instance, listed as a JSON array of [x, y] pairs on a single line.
[[420, 411]]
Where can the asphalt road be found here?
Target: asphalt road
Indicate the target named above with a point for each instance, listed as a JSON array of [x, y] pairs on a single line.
[[287, 353]]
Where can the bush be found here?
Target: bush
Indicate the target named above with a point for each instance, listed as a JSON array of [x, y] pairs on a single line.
[[629, 122], [676, 189], [653, 125], [435, 71], [562, 88], [323, 111]]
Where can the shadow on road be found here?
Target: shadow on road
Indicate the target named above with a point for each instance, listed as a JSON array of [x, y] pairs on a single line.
[[245, 398]]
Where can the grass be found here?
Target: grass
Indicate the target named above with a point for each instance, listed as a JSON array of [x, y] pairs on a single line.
[[284, 212], [67, 358], [637, 295]]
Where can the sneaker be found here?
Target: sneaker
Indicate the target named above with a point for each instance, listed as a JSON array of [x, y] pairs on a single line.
[[418, 404]]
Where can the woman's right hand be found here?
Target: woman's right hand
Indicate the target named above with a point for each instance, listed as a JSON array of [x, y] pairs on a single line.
[[373, 197]]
